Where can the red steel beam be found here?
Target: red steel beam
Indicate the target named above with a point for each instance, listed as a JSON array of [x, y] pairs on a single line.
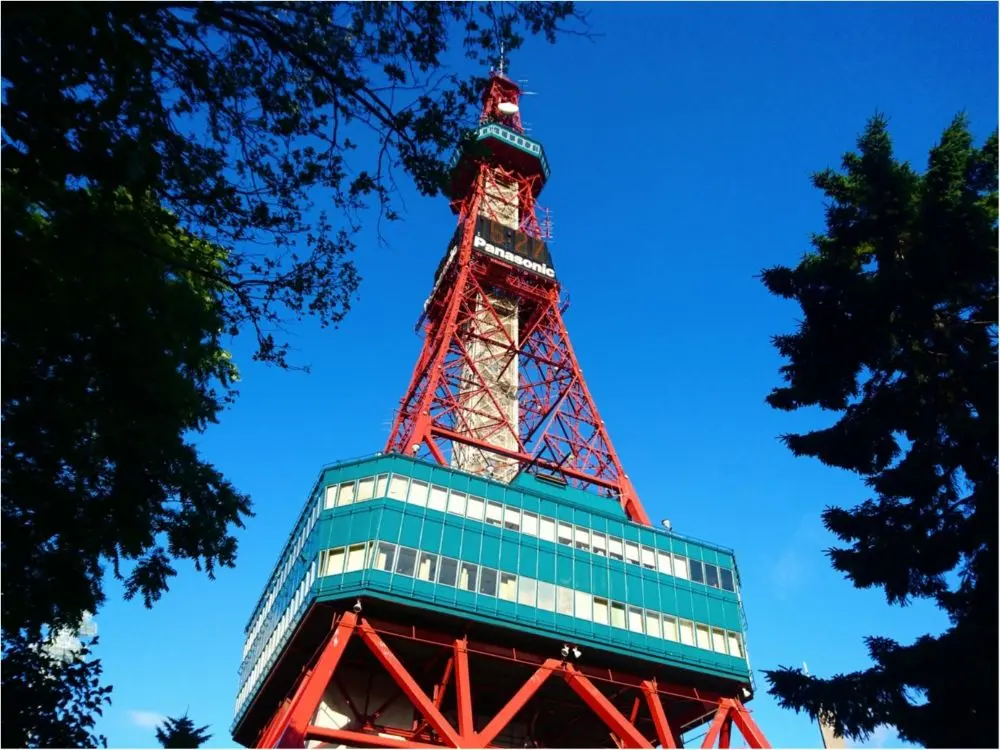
[[747, 726], [515, 704], [604, 708], [726, 733], [359, 739], [715, 729], [290, 731], [664, 732], [463, 692], [413, 691]]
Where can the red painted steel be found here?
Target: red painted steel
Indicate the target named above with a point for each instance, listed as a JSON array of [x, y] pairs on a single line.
[[292, 722], [604, 708], [558, 428]]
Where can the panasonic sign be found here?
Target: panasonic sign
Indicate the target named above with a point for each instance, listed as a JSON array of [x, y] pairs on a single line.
[[513, 247]]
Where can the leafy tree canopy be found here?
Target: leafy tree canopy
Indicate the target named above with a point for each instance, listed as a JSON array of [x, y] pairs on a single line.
[[181, 733], [898, 337], [48, 701], [168, 173]]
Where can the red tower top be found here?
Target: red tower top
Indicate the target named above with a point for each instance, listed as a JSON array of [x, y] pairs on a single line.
[[497, 390]]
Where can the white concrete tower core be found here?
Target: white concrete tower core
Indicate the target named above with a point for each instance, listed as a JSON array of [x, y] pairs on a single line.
[[484, 408]]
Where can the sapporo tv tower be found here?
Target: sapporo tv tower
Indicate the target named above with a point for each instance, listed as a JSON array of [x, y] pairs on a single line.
[[492, 579]]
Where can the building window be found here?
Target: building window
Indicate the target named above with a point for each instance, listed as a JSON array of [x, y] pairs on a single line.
[[384, 556], [467, 576], [475, 508], [617, 615], [335, 562], [397, 487], [418, 493], [600, 543], [735, 645], [494, 514], [427, 569], [381, 485], [704, 640], [346, 494], [488, 581], [565, 534], [456, 501], [530, 523], [526, 591], [547, 529], [697, 573], [680, 566], [635, 620], [600, 611], [712, 576], [583, 602], [663, 563], [648, 555], [511, 519], [653, 625], [508, 587], [726, 579], [449, 571], [718, 641], [356, 557], [331, 497], [632, 552], [546, 596], [686, 630], [406, 561], [366, 488], [615, 551], [564, 601], [581, 539]]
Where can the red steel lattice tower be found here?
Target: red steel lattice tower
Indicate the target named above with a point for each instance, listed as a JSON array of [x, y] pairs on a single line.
[[497, 387], [362, 639]]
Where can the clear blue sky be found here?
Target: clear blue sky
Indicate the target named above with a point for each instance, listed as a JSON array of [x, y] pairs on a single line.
[[681, 145]]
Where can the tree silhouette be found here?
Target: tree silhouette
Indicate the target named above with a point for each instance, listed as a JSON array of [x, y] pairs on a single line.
[[898, 338], [181, 733]]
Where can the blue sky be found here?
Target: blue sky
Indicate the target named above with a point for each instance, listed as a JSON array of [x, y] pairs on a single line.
[[681, 144]]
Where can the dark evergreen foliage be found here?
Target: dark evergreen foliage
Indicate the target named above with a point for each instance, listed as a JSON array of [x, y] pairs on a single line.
[[181, 733], [898, 338], [175, 173]]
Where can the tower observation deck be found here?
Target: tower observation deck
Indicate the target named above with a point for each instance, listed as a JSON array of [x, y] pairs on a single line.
[[491, 579]]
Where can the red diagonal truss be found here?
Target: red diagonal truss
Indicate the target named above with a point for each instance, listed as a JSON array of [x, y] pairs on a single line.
[[291, 724], [453, 397]]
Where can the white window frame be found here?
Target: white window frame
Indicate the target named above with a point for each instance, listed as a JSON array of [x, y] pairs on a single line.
[[417, 494], [456, 502], [583, 605], [398, 486], [529, 523], [475, 508], [546, 529]]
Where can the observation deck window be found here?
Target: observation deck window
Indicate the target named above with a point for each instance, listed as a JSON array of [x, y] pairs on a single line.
[[448, 574], [648, 558], [511, 519], [653, 625], [712, 576], [488, 581], [703, 638], [547, 529], [686, 630], [526, 591], [397, 487], [565, 534], [356, 557], [456, 501], [632, 553], [727, 579], [366, 489], [467, 576], [735, 645], [663, 563], [617, 615], [546, 596], [583, 605], [427, 569], [530, 523], [494, 514], [697, 572], [335, 562], [381, 485], [582, 539], [384, 556], [680, 566], [564, 601], [406, 561], [615, 549], [475, 509], [635, 619], [418, 493], [670, 628], [601, 611], [600, 543], [508, 587], [718, 641]]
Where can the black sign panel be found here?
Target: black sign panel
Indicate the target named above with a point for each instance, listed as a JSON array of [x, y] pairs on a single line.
[[513, 246]]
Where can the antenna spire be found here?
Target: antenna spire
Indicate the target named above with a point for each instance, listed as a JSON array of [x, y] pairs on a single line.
[[502, 62]]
